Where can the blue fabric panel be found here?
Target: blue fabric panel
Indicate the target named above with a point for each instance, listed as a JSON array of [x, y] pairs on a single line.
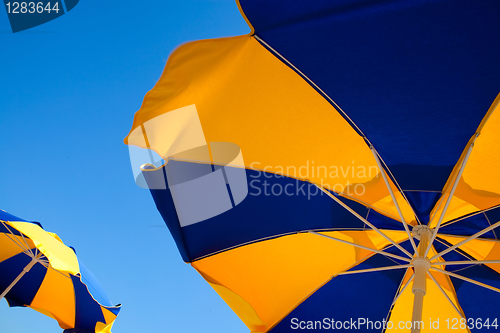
[[383, 222], [422, 203], [421, 177], [4, 216], [26, 288], [416, 76], [88, 311], [261, 214], [469, 226], [165, 205], [346, 297], [478, 302]]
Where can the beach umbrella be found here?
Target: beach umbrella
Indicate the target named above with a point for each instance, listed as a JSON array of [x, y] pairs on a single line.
[[336, 168], [38, 271]]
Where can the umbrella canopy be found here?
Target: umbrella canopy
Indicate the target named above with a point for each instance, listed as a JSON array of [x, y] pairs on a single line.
[[40, 272], [338, 163]]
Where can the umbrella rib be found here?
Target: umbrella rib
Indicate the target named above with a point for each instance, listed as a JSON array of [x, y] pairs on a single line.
[[378, 269], [362, 219], [375, 154], [446, 295], [468, 239], [466, 279], [361, 246], [404, 288], [450, 196]]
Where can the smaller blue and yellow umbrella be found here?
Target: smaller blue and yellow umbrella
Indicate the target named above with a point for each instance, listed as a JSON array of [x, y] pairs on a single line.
[[39, 271]]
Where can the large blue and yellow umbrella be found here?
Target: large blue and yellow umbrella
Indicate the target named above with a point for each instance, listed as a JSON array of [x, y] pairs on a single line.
[[38, 271], [337, 168]]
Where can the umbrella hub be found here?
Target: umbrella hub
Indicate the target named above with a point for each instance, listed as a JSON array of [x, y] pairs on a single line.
[[419, 230]]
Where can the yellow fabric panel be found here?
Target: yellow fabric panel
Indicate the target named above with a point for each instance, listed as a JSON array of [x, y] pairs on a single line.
[[434, 303], [274, 276], [109, 316], [401, 311], [11, 245], [245, 95], [105, 327], [102, 327], [60, 256], [56, 295], [480, 182]]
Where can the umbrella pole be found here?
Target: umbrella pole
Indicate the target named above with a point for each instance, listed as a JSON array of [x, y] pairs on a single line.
[[421, 266], [26, 269]]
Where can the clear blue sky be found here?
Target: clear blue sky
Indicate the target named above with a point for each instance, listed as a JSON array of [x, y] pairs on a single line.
[[68, 93]]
